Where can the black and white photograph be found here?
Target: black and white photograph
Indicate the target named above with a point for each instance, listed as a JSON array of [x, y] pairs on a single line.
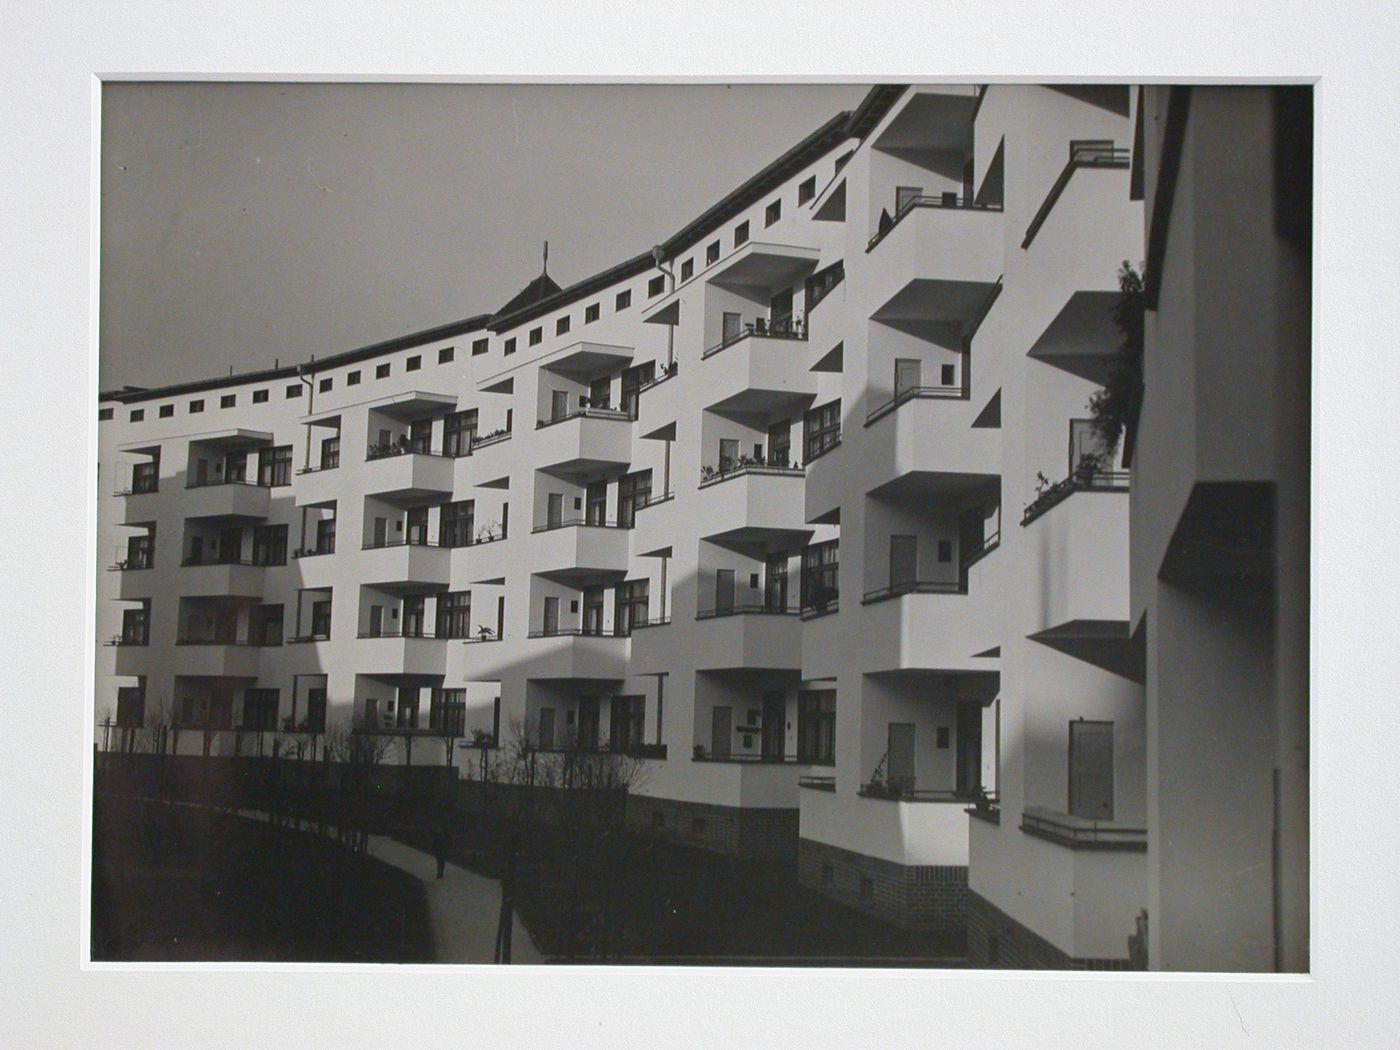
[[577, 535]]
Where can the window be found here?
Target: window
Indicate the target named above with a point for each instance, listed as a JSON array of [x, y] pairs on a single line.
[[945, 551], [316, 709], [806, 190], [381, 371], [197, 406], [816, 727], [145, 476], [773, 212], [259, 396], [325, 536], [947, 375], [656, 286], [353, 379], [260, 710], [479, 347], [624, 300], [458, 432], [536, 336], [447, 713], [592, 313], [265, 624], [633, 492], [454, 614], [275, 466], [330, 453], [408, 707], [822, 428], [627, 719], [630, 606], [819, 579], [136, 624], [228, 400], [687, 269], [510, 347], [140, 551], [131, 707], [270, 545], [325, 385], [561, 326], [293, 390], [137, 414], [414, 363], [321, 619], [166, 411], [712, 254], [816, 287], [104, 414], [741, 233], [456, 523]]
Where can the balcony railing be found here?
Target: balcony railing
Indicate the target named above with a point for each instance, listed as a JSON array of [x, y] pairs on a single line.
[[898, 590], [760, 609], [420, 633], [946, 200], [221, 560], [791, 328], [900, 793], [1081, 155], [587, 412], [591, 523], [816, 610], [493, 438], [658, 621], [815, 783], [916, 393], [215, 639], [669, 372], [313, 552], [1081, 833], [374, 545], [714, 475], [387, 450], [315, 636], [578, 632], [1088, 480], [209, 483], [132, 564], [653, 500], [701, 755], [129, 639], [483, 634]]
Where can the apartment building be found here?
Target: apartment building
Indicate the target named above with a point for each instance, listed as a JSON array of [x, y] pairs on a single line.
[[802, 508]]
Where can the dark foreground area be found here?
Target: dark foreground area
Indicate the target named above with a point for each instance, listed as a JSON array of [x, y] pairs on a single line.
[[180, 883]]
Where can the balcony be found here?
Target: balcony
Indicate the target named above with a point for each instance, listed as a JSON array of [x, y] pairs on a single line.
[[139, 503], [932, 832], [206, 658], [747, 636], [654, 524], [134, 656], [653, 645], [317, 486], [569, 652], [222, 577], [760, 368], [401, 566], [752, 501], [1087, 480], [659, 401], [395, 653], [407, 473], [585, 440], [927, 427], [1080, 833], [748, 781], [574, 549], [826, 482], [228, 500]]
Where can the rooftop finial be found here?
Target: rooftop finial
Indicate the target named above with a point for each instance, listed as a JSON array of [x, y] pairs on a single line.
[[546, 257]]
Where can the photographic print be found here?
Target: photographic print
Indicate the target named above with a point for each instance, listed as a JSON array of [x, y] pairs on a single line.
[[768, 524]]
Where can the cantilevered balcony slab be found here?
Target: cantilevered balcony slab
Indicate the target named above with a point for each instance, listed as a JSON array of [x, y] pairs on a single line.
[[230, 501], [315, 488], [234, 580], [141, 508], [584, 359], [826, 481], [928, 444], [907, 833], [751, 784], [575, 553], [318, 570], [403, 567], [217, 661], [400, 655], [759, 269], [1081, 545], [139, 583], [409, 477], [1083, 338], [745, 640], [659, 647], [575, 656], [660, 404], [757, 373], [655, 526], [753, 505], [587, 441], [137, 660]]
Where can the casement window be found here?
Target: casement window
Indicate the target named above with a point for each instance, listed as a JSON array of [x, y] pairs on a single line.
[[816, 287], [353, 379], [456, 523], [632, 381], [627, 721], [140, 551], [137, 415], [447, 713], [407, 717], [741, 234], [136, 624], [196, 406], [806, 190], [260, 710], [712, 254], [687, 269], [316, 709], [623, 301], [820, 562], [454, 614], [104, 414], [536, 336], [479, 347], [414, 623], [270, 545], [259, 397], [131, 707], [414, 363], [265, 625], [591, 313], [326, 385], [600, 393], [166, 411], [773, 213], [509, 347], [816, 727], [381, 371], [630, 605], [656, 286], [822, 429], [561, 326], [325, 536], [321, 619], [330, 453], [633, 492], [145, 476], [458, 432], [593, 610], [293, 390], [275, 466]]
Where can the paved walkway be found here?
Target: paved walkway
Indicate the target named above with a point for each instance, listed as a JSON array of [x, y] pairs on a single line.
[[463, 907]]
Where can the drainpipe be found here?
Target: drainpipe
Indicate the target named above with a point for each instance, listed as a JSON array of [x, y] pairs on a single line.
[[657, 254], [307, 381]]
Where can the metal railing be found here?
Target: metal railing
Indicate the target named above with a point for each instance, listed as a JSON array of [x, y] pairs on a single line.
[[916, 393], [585, 522], [669, 372], [764, 329], [754, 758], [898, 590], [123, 639], [587, 412], [209, 483], [1079, 481], [816, 783], [761, 609], [313, 552], [218, 560], [1081, 155], [945, 200], [653, 500], [657, 621], [816, 611], [301, 639], [493, 438], [372, 545], [423, 633], [250, 643], [900, 793], [380, 450], [1081, 833], [578, 632], [764, 469]]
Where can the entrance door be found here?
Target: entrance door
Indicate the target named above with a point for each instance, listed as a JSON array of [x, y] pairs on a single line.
[[555, 511], [732, 325], [546, 727], [904, 561], [1091, 770], [969, 753], [724, 591], [721, 731], [908, 373], [899, 759], [774, 726]]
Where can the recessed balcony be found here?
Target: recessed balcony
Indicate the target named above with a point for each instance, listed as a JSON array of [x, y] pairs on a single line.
[[407, 473], [217, 578], [398, 567], [747, 636], [752, 502], [586, 440], [396, 653], [229, 500]]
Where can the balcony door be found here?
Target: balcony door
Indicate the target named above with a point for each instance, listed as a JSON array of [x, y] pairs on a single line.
[[908, 375], [555, 510], [1091, 770], [728, 454], [904, 561], [381, 531], [899, 757], [593, 610], [559, 404], [780, 444], [376, 621], [774, 736], [969, 753], [732, 324], [775, 582], [546, 737], [721, 731], [418, 525], [551, 616], [588, 723], [724, 591], [596, 503]]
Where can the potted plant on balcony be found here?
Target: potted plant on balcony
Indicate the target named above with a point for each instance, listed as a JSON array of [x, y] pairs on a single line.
[[1114, 408]]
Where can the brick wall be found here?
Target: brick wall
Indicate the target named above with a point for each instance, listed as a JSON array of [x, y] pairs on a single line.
[[997, 941], [750, 834], [914, 897]]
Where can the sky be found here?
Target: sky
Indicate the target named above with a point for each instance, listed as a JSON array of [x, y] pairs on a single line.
[[246, 224]]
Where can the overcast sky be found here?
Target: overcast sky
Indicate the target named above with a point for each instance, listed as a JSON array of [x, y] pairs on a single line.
[[244, 223]]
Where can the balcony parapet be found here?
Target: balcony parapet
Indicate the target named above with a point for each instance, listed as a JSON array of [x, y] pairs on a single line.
[[1074, 832], [716, 476], [916, 393], [761, 328], [947, 200], [1086, 480]]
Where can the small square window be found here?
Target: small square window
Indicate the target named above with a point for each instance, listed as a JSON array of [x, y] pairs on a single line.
[[381, 371], [592, 313], [326, 384], [948, 375], [807, 190], [741, 233], [353, 379], [510, 347], [712, 254], [228, 400], [573, 606], [413, 363], [446, 354], [259, 396], [945, 551], [624, 300], [104, 414], [536, 336], [773, 213], [561, 326], [656, 286], [687, 269], [479, 347], [197, 405], [166, 411], [137, 414], [293, 390]]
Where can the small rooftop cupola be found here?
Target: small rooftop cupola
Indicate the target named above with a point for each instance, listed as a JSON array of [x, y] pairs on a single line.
[[541, 288]]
